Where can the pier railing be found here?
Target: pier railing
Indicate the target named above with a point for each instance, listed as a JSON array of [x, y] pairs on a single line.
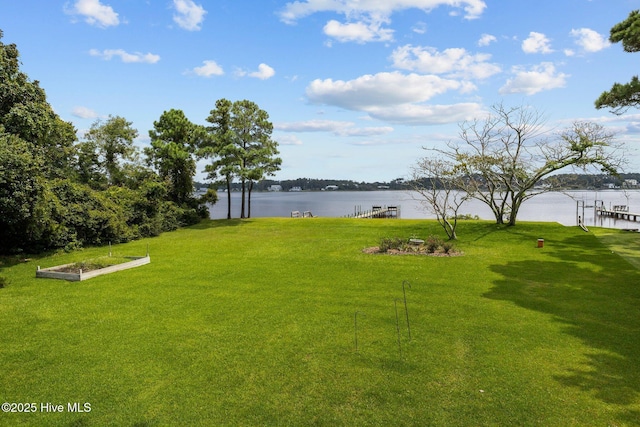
[[375, 212], [618, 212]]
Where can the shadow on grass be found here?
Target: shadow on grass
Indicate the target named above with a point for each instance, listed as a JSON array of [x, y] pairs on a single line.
[[595, 296], [218, 223], [486, 229], [9, 261]]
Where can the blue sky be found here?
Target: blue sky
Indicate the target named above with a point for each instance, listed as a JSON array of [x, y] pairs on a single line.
[[354, 88]]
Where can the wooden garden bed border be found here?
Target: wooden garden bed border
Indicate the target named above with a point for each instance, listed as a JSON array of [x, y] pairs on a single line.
[[51, 273]]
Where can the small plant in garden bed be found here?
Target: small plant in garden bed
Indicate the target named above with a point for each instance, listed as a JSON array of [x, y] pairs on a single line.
[[433, 245], [387, 244], [94, 264]]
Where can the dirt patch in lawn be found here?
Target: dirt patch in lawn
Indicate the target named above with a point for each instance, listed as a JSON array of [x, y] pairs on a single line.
[[91, 265]]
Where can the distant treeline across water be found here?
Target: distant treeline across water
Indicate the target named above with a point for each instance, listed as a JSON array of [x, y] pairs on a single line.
[[569, 181]]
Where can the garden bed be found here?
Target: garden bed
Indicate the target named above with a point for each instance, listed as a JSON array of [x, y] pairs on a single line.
[[419, 251], [77, 272], [432, 246]]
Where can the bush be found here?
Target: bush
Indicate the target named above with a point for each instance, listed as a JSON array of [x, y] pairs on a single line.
[[3, 282], [170, 214], [447, 247], [387, 243], [433, 243], [189, 216]]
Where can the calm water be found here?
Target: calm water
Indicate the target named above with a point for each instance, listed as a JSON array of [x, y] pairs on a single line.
[[549, 207]]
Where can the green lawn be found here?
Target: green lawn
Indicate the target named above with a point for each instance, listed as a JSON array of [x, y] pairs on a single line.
[[242, 323]]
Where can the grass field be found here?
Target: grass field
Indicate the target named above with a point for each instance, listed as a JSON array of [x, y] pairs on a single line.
[[242, 323]]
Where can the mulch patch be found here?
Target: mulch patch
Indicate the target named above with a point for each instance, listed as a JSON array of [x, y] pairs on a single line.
[[376, 250]]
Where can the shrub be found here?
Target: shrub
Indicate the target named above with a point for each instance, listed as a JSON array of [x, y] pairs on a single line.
[[447, 247], [387, 243], [170, 214], [433, 243], [189, 216]]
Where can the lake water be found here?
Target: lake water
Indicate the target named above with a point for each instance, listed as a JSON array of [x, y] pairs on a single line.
[[549, 207]]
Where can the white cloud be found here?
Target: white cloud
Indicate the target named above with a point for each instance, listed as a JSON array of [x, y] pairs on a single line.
[[394, 97], [590, 40], [359, 32], [84, 113], [455, 62], [379, 89], [374, 10], [541, 77], [313, 126], [367, 131], [264, 72], [210, 68], [486, 40], [189, 15], [94, 12], [536, 43], [339, 128], [419, 28], [108, 54], [288, 140], [365, 18], [424, 115]]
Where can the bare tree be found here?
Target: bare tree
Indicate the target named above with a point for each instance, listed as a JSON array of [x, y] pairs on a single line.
[[436, 183], [505, 156]]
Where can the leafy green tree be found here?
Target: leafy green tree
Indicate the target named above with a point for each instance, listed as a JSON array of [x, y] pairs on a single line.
[[88, 166], [107, 144], [240, 146], [621, 97], [221, 148], [35, 147], [173, 143], [24, 112], [87, 216], [263, 163], [22, 194], [54, 194], [253, 132]]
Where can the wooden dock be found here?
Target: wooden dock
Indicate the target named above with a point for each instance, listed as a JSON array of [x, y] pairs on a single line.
[[376, 212], [618, 212]]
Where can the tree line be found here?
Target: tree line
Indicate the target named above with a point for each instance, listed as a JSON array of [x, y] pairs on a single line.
[[58, 191], [318, 184]]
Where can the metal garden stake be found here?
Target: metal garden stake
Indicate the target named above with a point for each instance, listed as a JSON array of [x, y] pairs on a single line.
[[406, 311], [395, 303]]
